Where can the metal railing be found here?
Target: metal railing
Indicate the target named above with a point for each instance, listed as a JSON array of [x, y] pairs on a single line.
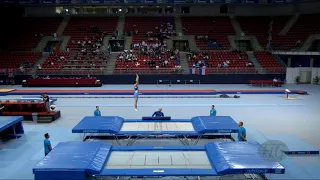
[[124, 71]]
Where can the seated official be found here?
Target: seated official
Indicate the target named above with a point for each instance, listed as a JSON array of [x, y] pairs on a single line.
[[158, 113]]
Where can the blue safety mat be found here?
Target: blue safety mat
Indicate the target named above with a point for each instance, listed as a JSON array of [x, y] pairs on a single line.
[[113, 124], [295, 145], [78, 160], [241, 158], [9, 121], [99, 124], [214, 124], [74, 159]]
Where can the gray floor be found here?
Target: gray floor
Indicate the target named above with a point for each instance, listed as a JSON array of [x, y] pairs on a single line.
[[269, 114]]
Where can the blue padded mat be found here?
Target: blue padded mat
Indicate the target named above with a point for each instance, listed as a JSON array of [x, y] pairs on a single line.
[[294, 143], [77, 160], [240, 158], [99, 124], [8, 121], [113, 124], [214, 124], [72, 158]]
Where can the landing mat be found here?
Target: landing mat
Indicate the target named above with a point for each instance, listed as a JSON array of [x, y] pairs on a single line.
[[150, 92]]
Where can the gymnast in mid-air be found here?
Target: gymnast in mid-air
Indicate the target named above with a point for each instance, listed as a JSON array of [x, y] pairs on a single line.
[[136, 93]]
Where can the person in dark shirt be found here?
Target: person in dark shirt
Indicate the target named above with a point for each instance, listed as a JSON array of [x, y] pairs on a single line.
[[46, 102], [158, 113], [1, 110]]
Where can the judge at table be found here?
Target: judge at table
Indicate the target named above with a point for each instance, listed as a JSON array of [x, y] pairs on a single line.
[[158, 113]]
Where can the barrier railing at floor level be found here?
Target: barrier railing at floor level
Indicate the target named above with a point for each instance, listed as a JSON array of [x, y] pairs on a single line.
[[120, 71]]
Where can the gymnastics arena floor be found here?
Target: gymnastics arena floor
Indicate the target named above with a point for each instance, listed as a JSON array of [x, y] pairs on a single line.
[[264, 115]]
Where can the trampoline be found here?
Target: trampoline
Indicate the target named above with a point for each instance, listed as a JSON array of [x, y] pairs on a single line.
[[78, 160], [11, 126], [133, 129]]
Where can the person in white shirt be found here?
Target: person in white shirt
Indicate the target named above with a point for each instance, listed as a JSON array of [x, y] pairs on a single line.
[[275, 80]]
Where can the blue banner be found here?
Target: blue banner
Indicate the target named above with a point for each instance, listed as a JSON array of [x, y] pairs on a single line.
[[139, 1], [279, 1]]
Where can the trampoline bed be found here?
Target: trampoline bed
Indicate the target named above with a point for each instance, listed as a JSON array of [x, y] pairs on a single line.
[[79, 160], [134, 129]]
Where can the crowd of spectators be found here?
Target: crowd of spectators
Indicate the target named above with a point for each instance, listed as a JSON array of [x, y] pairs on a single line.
[[152, 51]]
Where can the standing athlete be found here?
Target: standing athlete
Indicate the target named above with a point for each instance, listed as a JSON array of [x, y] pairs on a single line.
[[213, 112], [136, 93]]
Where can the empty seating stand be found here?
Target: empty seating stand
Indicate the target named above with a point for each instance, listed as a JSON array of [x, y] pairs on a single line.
[[269, 62], [256, 26], [301, 30], [78, 26], [144, 25], [26, 109], [13, 60], [32, 30], [218, 28]]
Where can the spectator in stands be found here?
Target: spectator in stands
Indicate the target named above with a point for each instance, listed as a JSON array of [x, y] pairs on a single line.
[[46, 102], [1, 110], [242, 134], [158, 113], [249, 64], [47, 144], [275, 79], [178, 59], [97, 111], [219, 65], [213, 112], [225, 64], [298, 43], [21, 69]]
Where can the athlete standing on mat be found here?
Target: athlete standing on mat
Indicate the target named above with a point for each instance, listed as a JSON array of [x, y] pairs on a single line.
[[136, 93]]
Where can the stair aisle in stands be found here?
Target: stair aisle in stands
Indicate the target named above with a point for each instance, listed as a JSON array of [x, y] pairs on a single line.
[[178, 25], [184, 62], [255, 62], [120, 25], [236, 26], [111, 64], [40, 61], [63, 25]]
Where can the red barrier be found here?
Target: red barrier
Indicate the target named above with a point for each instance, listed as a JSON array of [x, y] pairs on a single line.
[[265, 83], [24, 106], [62, 81]]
